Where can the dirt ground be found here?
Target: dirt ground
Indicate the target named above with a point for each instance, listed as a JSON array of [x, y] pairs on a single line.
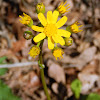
[[81, 60]]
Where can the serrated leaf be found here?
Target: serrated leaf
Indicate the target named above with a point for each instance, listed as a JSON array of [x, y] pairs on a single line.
[[6, 93], [76, 88], [93, 96]]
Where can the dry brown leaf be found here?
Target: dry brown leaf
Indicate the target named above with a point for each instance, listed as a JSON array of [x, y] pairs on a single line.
[[56, 72], [71, 18], [5, 52], [55, 87], [85, 57], [91, 68], [69, 91], [19, 45], [89, 77], [96, 41], [88, 81], [70, 71], [83, 46]]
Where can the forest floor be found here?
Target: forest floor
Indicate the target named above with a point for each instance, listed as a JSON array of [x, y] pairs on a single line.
[[80, 61]]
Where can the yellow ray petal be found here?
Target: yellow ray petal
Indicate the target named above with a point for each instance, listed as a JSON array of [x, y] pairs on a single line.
[[64, 33], [55, 16], [64, 2], [49, 17], [37, 28], [58, 39], [61, 22], [50, 43], [39, 37], [42, 19]]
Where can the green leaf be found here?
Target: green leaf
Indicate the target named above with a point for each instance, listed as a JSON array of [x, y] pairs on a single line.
[[2, 59], [3, 71], [76, 88], [93, 96], [6, 93]]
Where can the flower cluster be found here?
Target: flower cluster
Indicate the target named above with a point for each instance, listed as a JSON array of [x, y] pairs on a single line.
[[50, 29]]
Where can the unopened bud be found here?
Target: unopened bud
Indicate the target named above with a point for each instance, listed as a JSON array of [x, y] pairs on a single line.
[[40, 8], [68, 41], [28, 35], [74, 28], [63, 8], [26, 20]]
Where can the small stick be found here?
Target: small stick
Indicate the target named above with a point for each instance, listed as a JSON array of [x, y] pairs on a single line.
[[23, 64]]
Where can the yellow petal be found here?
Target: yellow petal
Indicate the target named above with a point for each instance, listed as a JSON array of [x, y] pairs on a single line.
[[50, 43], [49, 17], [42, 19], [58, 39], [64, 33], [61, 22], [55, 16], [37, 28], [39, 37]]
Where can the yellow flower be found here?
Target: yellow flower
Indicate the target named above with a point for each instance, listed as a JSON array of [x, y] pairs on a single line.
[[26, 20], [34, 51], [50, 29], [57, 52], [75, 28], [62, 8]]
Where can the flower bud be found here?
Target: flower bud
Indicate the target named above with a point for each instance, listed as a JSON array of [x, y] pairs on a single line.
[[40, 8], [26, 20], [74, 28], [34, 51], [68, 41], [28, 35], [57, 52], [63, 8]]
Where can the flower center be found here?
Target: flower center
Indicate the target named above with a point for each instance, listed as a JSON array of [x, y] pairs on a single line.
[[50, 30]]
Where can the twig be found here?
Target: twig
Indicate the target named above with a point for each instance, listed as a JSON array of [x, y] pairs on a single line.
[[88, 26], [23, 64]]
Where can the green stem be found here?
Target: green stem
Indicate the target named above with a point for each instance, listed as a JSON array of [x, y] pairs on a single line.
[[42, 73], [39, 43]]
